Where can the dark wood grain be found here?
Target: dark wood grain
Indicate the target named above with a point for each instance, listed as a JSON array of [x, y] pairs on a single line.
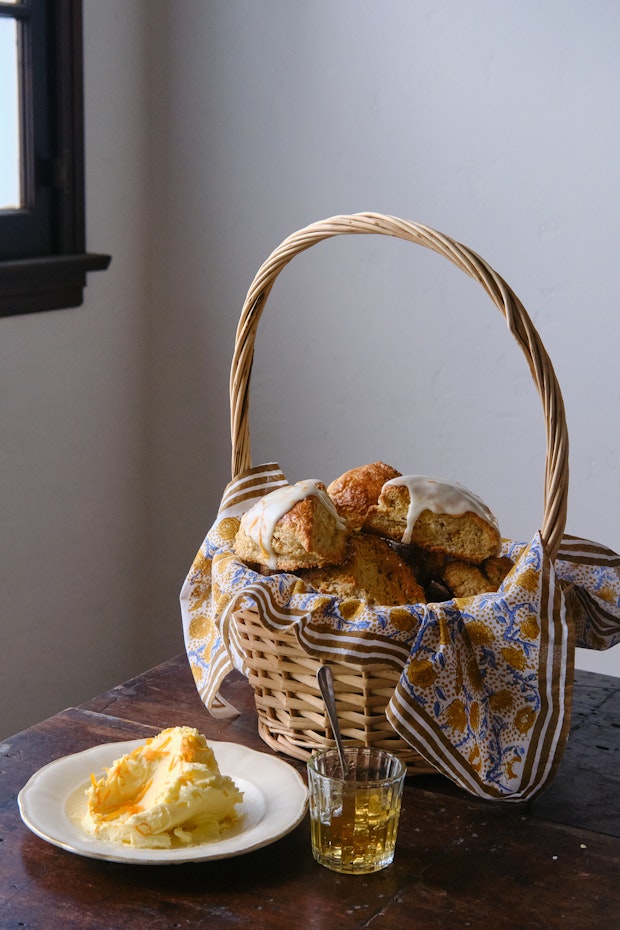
[[459, 863], [167, 696], [585, 792], [586, 789]]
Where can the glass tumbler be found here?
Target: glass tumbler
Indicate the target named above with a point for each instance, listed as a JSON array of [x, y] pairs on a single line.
[[354, 820]]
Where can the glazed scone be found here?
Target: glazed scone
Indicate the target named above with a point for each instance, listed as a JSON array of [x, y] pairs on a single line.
[[439, 516], [372, 572], [358, 489], [293, 527]]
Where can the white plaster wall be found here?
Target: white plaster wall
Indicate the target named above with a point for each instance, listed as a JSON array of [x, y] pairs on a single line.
[[495, 123], [216, 127], [74, 488]]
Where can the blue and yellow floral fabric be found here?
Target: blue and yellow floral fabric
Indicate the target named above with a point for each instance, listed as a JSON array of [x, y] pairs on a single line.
[[485, 682]]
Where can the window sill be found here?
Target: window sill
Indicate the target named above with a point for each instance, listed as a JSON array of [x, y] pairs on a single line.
[[51, 283]]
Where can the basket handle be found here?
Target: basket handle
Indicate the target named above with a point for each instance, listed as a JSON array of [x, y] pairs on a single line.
[[519, 324]]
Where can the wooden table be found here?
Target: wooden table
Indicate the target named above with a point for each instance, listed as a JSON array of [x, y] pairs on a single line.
[[460, 862]]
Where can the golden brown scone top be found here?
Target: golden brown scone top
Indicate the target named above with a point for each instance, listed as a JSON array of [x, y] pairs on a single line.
[[372, 571], [358, 489], [292, 527], [471, 535]]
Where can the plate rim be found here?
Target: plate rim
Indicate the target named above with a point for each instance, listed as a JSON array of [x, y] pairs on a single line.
[[129, 855]]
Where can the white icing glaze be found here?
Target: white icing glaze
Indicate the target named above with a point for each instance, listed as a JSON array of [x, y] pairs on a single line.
[[438, 497], [260, 521]]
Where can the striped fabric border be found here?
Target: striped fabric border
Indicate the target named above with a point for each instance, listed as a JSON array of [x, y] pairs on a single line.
[[555, 686], [584, 552], [603, 623], [272, 615], [548, 737], [247, 487], [592, 575], [358, 647]]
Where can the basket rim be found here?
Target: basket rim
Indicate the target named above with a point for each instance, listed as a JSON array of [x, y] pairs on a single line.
[[518, 321]]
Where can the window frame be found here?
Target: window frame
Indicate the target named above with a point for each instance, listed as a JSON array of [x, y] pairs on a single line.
[[48, 271]]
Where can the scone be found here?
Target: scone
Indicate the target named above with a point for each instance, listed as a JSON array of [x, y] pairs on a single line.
[[439, 516], [466, 580], [358, 489], [372, 572], [496, 568], [293, 527]]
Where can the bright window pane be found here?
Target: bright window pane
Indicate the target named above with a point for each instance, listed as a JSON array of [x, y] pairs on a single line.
[[10, 185]]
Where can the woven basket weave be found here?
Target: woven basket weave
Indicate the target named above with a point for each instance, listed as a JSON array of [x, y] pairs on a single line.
[[289, 705]]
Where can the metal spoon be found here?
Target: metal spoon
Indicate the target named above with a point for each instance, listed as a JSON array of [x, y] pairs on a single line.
[[326, 684]]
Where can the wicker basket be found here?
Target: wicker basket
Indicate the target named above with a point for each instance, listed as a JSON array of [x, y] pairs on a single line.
[[289, 705], [291, 712]]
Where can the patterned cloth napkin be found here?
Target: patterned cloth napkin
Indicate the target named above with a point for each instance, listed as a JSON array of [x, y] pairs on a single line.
[[484, 692]]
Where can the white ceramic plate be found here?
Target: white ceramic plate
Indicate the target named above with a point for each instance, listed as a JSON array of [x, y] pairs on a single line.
[[274, 802]]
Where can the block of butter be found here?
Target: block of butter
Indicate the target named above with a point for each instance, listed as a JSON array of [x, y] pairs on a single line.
[[167, 792]]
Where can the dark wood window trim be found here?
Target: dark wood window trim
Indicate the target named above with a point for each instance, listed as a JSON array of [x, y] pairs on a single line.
[[46, 268]]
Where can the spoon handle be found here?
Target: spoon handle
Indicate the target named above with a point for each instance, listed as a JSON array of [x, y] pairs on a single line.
[[326, 684]]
